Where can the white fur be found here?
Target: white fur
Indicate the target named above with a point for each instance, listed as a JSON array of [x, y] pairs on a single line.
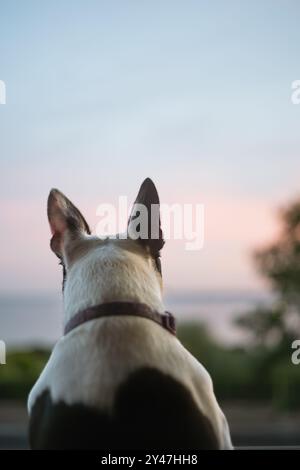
[[107, 272]]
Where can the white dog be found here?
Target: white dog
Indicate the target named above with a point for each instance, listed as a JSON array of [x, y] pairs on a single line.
[[119, 378]]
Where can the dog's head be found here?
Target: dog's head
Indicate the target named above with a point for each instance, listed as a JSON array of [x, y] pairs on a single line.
[[102, 270]]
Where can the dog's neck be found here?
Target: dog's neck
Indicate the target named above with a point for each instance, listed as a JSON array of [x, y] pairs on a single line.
[[111, 276]]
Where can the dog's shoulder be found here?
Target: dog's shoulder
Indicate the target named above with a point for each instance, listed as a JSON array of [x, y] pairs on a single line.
[[113, 361], [150, 408], [89, 363]]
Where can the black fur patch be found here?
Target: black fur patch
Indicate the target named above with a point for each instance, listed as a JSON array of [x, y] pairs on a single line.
[[152, 411]]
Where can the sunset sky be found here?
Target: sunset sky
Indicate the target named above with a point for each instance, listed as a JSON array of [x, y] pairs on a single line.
[[194, 94]]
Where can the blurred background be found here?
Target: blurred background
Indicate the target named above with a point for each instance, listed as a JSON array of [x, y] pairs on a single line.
[[196, 95]]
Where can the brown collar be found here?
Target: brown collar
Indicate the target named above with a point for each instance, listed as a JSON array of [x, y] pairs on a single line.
[[112, 309]]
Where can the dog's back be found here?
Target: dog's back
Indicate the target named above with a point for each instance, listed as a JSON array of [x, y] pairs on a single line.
[[124, 383]]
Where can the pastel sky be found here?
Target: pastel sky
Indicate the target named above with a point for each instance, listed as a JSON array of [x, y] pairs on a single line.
[[195, 94]]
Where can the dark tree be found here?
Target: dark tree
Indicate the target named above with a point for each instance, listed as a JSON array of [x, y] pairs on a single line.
[[279, 264]]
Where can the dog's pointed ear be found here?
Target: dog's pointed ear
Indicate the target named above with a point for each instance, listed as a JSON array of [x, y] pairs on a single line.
[[63, 217], [144, 223]]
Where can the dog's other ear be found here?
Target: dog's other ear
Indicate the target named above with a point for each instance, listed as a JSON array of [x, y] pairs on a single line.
[[63, 217], [144, 223]]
